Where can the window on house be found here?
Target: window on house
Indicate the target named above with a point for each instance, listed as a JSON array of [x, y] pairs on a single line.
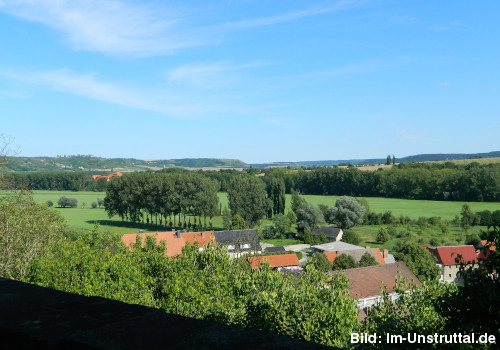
[[245, 246], [230, 247], [201, 249]]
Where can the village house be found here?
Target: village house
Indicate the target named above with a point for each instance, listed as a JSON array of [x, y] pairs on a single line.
[[484, 249], [277, 262], [273, 250], [449, 259], [334, 249], [174, 240], [106, 177], [331, 233], [366, 283], [239, 242]]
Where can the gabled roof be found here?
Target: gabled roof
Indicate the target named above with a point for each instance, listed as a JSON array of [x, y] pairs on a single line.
[[367, 281], [282, 260], [277, 249], [447, 255], [330, 232], [173, 243], [331, 256], [357, 254], [203, 238], [237, 237], [336, 246]]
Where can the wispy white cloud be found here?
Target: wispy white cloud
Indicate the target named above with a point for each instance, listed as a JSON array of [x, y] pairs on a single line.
[[111, 27], [210, 75], [123, 27], [162, 101], [354, 68], [406, 135], [286, 17]]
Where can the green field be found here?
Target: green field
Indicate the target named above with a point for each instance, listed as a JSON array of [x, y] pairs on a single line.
[[83, 219], [411, 208]]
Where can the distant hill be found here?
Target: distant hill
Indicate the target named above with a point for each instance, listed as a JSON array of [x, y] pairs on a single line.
[[415, 158], [98, 164]]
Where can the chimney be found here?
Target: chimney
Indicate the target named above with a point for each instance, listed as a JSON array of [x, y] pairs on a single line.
[[202, 234], [178, 234], [385, 254], [367, 247]]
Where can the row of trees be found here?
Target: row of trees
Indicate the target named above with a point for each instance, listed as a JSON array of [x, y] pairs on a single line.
[[163, 199], [439, 181], [473, 182], [54, 181]]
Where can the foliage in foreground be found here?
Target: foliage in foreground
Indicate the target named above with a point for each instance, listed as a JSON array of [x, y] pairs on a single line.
[[442, 309], [25, 229], [205, 285], [414, 312], [209, 285]]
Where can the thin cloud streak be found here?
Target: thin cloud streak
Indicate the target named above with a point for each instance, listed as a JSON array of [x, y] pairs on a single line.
[[285, 17], [164, 102], [211, 74], [121, 28], [111, 27]]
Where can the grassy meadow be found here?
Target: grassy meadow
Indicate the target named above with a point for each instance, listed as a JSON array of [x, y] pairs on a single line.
[[82, 219]]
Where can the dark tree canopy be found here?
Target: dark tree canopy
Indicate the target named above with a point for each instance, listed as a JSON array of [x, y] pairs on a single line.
[[418, 259], [367, 260], [247, 197], [344, 262], [320, 262], [351, 237], [276, 192]]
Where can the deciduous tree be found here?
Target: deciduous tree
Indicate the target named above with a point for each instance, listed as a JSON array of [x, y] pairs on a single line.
[[247, 198], [418, 259], [346, 213]]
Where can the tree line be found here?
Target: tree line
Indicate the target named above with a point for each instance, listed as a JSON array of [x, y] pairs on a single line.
[[163, 199], [429, 181], [53, 181]]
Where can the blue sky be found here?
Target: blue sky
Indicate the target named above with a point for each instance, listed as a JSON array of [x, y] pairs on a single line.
[[258, 81]]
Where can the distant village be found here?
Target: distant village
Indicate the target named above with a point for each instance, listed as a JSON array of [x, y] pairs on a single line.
[[365, 283]]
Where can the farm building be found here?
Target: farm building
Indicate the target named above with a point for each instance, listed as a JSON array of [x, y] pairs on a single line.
[[174, 240]]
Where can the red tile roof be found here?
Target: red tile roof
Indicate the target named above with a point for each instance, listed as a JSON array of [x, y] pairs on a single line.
[[107, 177], [173, 243], [485, 253], [367, 281], [379, 256], [280, 260], [331, 256], [447, 255]]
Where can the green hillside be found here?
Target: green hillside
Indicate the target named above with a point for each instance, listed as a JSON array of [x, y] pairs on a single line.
[[97, 164]]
